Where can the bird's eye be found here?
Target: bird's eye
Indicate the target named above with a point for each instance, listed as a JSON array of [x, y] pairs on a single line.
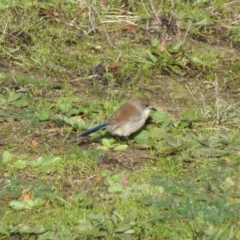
[[147, 105]]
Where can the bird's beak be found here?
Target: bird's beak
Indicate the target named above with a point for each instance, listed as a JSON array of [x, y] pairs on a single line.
[[153, 108]]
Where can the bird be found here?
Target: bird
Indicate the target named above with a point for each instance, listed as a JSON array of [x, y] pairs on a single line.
[[127, 119]]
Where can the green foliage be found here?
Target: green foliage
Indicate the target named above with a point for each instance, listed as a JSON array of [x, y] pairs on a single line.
[[108, 226], [29, 204], [109, 144], [44, 165], [176, 178], [6, 157], [177, 204]]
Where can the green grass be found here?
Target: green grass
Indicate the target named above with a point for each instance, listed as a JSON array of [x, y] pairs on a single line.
[[66, 66]]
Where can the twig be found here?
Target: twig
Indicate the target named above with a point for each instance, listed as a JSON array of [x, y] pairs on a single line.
[[217, 100], [154, 11], [119, 56], [104, 28], [184, 39], [4, 30], [93, 176], [91, 19], [84, 78], [145, 8]]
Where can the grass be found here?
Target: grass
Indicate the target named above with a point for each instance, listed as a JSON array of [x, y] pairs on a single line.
[[67, 66]]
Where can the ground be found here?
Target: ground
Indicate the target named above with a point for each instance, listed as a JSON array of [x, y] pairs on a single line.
[[66, 66]]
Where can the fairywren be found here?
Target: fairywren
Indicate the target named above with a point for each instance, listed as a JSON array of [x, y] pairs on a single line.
[[129, 118]]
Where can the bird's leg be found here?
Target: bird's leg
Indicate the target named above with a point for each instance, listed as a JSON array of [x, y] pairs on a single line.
[[132, 145]]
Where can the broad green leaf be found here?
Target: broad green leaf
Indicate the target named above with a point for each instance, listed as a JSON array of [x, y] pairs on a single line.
[[103, 148], [86, 202], [64, 119], [225, 137], [118, 215], [123, 236], [54, 196], [45, 168], [174, 142], [121, 147], [79, 197], [184, 124], [36, 163], [177, 47], [191, 115], [65, 107], [204, 141], [204, 22], [4, 229], [109, 226], [27, 204], [40, 160], [161, 117], [228, 183], [158, 133], [123, 227], [214, 142], [2, 101], [130, 231], [155, 43], [17, 205], [14, 97], [7, 157], [44, 116], [20, 103], [151, 57], [47, 235], [55, 160], [142, 137], [84, 226], [97, 217], [209, 152], [116, 188], [20, 164], [105, 173], [97, 233], [106, 143]]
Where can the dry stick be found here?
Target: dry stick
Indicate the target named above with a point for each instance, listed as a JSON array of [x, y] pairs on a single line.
[[154, 11], [120, 55], [203, 101], [4, 30], [217, 99], [121, 19], [84, 78], [145, 8], [105, 30], [84, 180], [230, 3], [191, 94], [184, 39], [91, 20]]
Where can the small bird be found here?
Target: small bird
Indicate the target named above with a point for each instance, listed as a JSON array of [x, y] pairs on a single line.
[[129, 118]]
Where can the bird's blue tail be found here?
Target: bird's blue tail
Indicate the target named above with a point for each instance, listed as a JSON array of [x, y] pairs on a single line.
[[91, 130]]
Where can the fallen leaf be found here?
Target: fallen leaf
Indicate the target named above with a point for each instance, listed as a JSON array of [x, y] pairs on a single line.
[[26, 197], [55, 13], [38, 91], [62, 149], [125, 181], [34, 144], [98, 177], [129, 29], [115, 65]]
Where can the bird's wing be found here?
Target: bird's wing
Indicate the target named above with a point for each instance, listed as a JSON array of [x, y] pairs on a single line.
[[124, 115]]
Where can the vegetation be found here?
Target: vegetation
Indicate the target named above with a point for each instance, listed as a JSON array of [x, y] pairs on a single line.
[[66, 66]]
